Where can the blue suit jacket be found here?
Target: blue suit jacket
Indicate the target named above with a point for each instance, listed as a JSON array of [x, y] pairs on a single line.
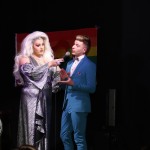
[[84, 77]]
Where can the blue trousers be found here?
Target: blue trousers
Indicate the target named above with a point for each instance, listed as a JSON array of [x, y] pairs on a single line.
[[73, 127]]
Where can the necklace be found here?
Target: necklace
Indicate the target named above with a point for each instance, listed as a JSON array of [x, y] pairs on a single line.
[[39, 60]]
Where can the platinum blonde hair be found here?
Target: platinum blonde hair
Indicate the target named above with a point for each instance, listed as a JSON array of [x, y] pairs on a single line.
[[26, 49]]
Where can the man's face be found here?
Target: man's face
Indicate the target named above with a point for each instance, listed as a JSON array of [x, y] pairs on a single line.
[[78, 48]]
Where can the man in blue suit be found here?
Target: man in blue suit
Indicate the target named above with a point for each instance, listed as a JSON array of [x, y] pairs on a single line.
[[80, 80]]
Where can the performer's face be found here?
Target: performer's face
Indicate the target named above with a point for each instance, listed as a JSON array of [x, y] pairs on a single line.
[[78, 48], [38, 47]]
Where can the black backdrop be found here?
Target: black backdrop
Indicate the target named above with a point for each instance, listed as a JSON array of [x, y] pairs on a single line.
[[123, 64]]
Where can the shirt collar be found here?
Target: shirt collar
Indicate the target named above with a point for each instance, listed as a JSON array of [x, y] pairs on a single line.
[[79, 58]]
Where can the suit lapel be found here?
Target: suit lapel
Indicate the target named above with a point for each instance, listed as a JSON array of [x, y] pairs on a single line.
[[69, 66]]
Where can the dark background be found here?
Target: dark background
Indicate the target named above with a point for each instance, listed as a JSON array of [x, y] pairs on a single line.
[[122, 64]]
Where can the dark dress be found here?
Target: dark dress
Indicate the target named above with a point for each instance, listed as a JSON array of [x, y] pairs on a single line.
[[35, 105]]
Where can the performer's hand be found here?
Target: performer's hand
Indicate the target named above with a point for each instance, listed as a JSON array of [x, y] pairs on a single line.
[[55, 62]]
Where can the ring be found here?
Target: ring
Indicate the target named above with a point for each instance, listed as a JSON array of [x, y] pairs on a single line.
[[58, 63]]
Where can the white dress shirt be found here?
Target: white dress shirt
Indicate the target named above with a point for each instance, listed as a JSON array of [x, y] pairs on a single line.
[[75, 63]]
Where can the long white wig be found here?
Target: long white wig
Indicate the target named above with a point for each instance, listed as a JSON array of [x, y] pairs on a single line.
[[26, 49]]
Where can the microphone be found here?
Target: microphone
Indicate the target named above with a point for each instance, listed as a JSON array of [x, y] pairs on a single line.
[[66, 56]]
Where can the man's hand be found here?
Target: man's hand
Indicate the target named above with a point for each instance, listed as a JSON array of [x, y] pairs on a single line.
[[65, 79], [63, 74]]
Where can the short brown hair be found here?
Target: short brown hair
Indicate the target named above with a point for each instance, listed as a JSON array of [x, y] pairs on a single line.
[[85, 39]]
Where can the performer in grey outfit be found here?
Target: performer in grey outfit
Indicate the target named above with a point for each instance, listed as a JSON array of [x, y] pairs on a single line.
[[35, 70]]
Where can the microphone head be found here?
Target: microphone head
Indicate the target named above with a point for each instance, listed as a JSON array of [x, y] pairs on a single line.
[[67, 53], [67, 56]]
